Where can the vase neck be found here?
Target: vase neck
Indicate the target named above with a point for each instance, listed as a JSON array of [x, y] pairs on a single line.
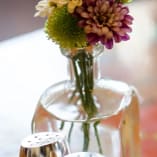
[[95, 68], [84, 60]]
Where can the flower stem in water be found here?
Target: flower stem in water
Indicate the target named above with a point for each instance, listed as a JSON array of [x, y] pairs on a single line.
[[97, 136], [86, 127], [70, 131]]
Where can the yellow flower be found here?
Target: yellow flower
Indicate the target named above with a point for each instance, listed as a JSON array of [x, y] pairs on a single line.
[[59, 3], [73, 4]]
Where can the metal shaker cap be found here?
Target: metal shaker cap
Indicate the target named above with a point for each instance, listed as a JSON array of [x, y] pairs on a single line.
[[44, 144]]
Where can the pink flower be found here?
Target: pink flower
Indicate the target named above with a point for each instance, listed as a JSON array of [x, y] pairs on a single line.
[[105, 21]]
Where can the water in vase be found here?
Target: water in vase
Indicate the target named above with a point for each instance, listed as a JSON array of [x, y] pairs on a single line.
[[117, 130]]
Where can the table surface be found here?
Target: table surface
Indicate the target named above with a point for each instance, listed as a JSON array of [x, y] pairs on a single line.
[[30, 63]]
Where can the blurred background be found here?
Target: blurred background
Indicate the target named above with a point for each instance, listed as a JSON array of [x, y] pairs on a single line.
[[28, 66], [16, 17]]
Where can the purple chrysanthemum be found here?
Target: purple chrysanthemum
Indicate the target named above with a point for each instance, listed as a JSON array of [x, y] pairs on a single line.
[[104, 21]]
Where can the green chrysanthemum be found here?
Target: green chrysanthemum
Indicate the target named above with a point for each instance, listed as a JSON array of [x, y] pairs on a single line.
[[62, 28]]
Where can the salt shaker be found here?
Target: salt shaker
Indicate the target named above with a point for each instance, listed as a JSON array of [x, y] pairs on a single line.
[[44, 144]]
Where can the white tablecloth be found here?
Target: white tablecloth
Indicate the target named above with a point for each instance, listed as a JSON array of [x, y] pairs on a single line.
[[28, 65]]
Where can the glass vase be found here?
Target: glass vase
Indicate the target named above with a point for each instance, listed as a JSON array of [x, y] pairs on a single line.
[[95, 114]]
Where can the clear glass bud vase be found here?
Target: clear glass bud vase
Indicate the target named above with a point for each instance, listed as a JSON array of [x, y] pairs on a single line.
[[95, 114]]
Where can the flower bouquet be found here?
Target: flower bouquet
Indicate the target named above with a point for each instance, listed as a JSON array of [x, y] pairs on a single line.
[[82, 29], [82, 23]]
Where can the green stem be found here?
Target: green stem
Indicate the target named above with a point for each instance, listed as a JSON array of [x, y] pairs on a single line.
[[62, 125], [97, 136], [83, 71], [70, 131], [78, 81], [86, 127]]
